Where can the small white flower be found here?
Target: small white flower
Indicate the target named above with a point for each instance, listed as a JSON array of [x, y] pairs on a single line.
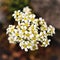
[[10, 29], [51, 30], [11, 40], [46, 43], [26, 9], [16, 13], [43, 34]]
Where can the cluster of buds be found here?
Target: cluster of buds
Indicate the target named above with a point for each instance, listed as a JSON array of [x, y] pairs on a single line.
[[30, 31]]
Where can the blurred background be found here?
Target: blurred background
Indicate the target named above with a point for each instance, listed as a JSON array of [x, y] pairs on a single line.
[[49, 10]]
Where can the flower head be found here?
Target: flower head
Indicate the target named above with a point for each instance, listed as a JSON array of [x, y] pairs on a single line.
[[30, 31]]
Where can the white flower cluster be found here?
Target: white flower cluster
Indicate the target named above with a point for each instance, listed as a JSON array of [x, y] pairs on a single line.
[[30, 31]]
